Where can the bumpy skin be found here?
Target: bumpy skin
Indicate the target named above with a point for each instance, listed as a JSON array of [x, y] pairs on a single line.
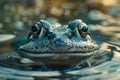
[[54, 46], [59, 46]]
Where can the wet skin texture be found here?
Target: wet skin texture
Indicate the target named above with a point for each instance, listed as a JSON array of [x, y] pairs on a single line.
[[61, 46]]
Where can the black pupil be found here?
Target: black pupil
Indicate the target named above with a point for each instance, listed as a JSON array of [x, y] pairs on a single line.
[[84, 29], [34, 29]]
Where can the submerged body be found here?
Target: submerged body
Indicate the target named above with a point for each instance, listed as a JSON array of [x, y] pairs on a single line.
[[65, 45]]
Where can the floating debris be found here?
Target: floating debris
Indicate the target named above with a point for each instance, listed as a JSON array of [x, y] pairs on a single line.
[[5, 37]]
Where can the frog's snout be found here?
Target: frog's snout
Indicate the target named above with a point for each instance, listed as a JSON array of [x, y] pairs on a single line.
[[59, 42], [60, 45]]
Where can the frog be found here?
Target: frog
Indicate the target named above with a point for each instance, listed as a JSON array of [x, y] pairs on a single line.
[[70, 44]]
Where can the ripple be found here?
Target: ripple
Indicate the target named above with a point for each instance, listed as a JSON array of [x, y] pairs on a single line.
[[10, 73]]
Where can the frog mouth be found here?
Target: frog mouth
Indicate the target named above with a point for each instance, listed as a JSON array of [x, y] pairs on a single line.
[[52, 54], [53, 50]]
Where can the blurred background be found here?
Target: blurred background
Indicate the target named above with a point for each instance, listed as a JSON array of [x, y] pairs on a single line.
[[17, 16]]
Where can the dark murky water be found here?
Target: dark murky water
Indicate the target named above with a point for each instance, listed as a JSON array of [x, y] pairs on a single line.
[[105, 30]]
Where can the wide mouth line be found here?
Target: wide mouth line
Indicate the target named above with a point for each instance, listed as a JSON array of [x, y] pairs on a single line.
[[71, 52]]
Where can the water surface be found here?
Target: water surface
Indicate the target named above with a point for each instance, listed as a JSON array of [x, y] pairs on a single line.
[[105, 30]]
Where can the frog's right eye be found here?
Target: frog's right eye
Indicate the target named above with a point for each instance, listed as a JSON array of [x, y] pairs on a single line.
[[36, 31], [77, 27]]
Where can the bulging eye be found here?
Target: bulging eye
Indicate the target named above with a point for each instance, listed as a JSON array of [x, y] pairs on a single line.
[[40, 28], [78, 27], [36, 31], [84, 28], [34, 28]]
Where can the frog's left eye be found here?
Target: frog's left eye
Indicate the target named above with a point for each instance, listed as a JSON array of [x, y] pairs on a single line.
[[77, 27], [84, 28], [81, 30]]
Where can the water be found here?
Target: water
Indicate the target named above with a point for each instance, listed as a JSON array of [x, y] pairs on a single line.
[[105, 32], [109, 70]]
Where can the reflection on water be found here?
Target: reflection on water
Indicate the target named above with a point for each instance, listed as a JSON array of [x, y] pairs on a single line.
[[5, 37], [106, 71], [104, 28]]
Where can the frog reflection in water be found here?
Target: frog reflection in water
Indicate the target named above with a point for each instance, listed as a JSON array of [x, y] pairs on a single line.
[[66, 45]]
